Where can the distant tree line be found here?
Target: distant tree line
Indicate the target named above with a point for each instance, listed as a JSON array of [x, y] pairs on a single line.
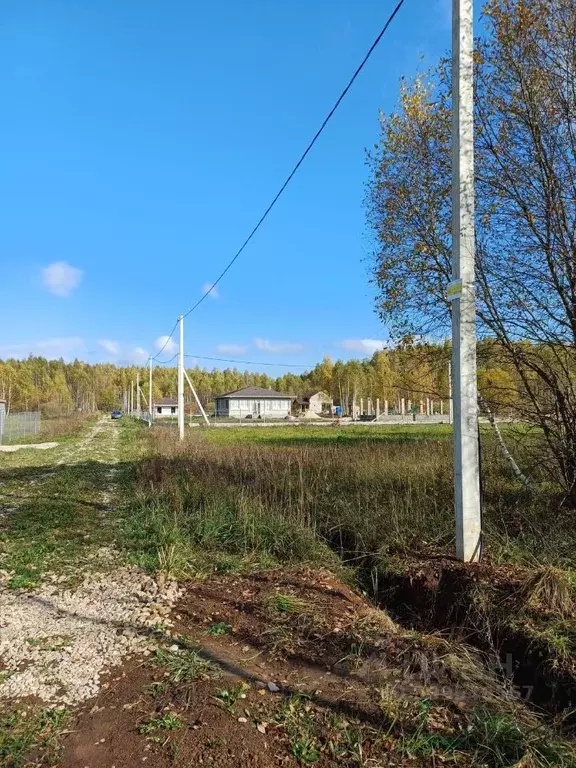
[[411, 371]]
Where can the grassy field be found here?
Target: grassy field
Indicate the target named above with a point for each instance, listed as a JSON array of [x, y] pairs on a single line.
[[368, 508], [361, 490], [378, 503], [65, 428]]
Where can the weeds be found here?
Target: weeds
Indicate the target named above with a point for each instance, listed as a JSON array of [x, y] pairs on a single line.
[[168, 722], [294, 716], [157, 688], [499, 742], [220, 628], [305, 750], [552, 589], [22, 733], [173, 560], [360, 490], [186, 666], [229, 696], [288, 604]]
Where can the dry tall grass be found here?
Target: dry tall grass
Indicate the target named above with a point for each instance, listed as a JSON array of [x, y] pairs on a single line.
[[361, 496]]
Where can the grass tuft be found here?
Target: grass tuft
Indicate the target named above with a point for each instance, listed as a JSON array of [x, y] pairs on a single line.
[[186, 666], [551, 589], [281, 603], [168, 721]]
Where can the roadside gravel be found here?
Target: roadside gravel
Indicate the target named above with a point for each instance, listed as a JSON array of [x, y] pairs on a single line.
[[56, 640], [55, 643]]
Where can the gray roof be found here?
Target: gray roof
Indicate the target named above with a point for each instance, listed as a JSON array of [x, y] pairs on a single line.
[[166, 401], [259, 392]]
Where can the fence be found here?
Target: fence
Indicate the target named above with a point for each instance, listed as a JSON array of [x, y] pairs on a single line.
[[16, 425]]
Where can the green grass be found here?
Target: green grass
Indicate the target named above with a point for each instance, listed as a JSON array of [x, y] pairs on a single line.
[[312, 435], [288, 604], [220, 628], [294, 716], [22, 733], [62, 512], [359, 489], [498, 741], [186, 665], [228, 697], [62, 430], [169, 721], [247, 499]]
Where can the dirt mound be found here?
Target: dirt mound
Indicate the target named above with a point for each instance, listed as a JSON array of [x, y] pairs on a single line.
[[524, 615], [295, 668]]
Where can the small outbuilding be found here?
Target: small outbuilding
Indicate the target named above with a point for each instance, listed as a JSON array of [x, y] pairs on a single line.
[[166, 408], [315, 404], [254, 403]]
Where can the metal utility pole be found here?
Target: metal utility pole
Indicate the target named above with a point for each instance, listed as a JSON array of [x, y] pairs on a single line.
[[181, 380], [150, 403], [138, 403], [461, 290], [131, 397]]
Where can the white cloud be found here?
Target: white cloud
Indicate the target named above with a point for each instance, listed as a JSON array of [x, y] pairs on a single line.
[[110, 346], [231, 349], [60, 278], [67, 348], [138, 356], [213, 293], [166, 344], [267, 346], [368, 346]]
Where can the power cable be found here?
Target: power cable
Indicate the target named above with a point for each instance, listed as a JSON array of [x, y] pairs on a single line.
[[296, 167], [165, 362], [248, 362], [168, 340]]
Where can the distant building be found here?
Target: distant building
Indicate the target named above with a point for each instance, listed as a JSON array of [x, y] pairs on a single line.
[[314, 404], [167, 407], [254, 403]]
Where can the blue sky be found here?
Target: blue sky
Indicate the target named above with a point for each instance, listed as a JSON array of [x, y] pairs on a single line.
[[143, 140]]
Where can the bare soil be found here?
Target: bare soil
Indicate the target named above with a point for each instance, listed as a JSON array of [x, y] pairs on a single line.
[[313, 660], [489, 605]]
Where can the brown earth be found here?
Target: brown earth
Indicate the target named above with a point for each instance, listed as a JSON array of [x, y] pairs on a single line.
[[491, 607], [308, 673]]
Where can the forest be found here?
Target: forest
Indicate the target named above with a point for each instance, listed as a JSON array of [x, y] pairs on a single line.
[[410, 370]]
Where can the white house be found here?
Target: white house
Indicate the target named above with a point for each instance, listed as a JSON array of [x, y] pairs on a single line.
[[167, 407], [254, 403]]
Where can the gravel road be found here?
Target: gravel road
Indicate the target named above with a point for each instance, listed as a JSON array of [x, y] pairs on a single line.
[[57, 642]]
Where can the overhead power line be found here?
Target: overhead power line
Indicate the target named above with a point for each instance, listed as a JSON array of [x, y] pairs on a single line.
[[168, 340], [247, 362], [294, 169], [290, 175], [165, 362], [302, 157]]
